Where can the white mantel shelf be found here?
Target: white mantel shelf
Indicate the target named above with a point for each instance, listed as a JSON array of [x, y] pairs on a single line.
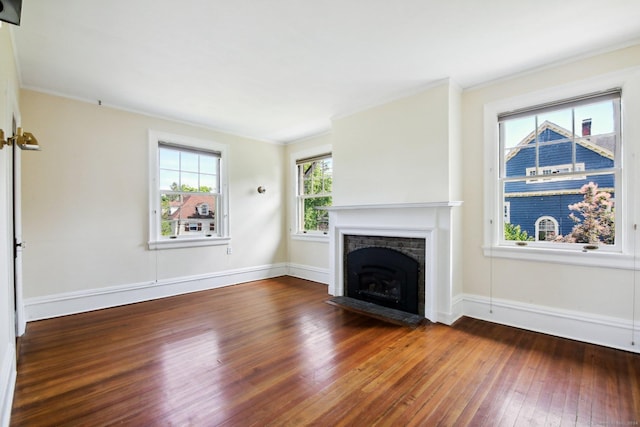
[[393, 206]]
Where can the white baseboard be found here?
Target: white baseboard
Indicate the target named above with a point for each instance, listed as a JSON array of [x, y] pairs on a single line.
[[307, 272], [586, 327], [94, 299], [457, 311], [601, 330], [7, 383]]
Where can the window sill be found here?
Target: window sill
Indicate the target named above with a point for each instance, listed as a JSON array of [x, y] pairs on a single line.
[[572, 256], [311, 237], [188, 243]]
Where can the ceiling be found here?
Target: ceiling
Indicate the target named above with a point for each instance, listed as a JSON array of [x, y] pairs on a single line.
[[279, 70]]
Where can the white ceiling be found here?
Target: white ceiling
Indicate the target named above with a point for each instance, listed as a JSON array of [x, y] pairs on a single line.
[[280, 70]]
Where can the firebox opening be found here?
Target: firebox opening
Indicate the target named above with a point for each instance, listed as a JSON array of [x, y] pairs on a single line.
[[383, 276]]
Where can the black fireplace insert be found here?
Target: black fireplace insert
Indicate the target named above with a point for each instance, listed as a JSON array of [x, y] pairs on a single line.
[[383, 276]]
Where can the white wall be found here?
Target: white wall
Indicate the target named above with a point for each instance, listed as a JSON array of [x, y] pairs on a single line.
[[395, 153], [85, 206], [8, 101]]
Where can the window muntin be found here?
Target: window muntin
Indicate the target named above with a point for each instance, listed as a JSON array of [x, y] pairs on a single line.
[[313, 190], [549, 156]]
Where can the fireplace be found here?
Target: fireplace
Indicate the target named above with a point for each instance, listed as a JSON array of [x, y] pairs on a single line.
[[385, 271], [421, 231]]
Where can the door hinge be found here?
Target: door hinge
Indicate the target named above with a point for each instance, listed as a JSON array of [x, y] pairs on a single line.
[[16, 245]]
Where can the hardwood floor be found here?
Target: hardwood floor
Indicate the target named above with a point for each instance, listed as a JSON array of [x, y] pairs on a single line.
[[273, 353]]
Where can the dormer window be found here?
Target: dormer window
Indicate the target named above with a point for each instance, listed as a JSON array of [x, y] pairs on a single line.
[[203, 209]]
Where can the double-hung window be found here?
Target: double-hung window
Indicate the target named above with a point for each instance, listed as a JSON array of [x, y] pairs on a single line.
[[314, 185], [560, 173], [188, 192], [561, 162]]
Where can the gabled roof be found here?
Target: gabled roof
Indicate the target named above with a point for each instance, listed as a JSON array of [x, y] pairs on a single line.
[[602, 144], [189, 207]]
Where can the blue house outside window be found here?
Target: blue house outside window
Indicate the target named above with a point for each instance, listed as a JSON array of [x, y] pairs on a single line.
[[550, 157]]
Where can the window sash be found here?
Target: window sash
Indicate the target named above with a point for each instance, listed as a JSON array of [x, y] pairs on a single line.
[[606, 95], [575, 169], [301, 215], [302, 180], [179, 172], [313, 158]]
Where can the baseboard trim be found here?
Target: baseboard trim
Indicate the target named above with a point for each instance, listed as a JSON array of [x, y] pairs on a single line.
[[7, 383], [63, 304], [307, 272], [594, 329], [600, 330], [457, 311]]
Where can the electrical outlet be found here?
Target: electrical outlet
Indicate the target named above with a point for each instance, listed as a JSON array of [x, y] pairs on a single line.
[[229, 250]]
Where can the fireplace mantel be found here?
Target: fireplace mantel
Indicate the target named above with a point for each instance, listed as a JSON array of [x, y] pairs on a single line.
[[393, 206], [432, 221]]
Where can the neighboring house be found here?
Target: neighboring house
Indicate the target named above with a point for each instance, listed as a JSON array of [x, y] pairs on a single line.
[[540, 204], [194, 215]]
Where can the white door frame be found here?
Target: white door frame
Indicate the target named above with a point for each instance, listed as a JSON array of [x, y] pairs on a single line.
[[13, 115], [21, 321]]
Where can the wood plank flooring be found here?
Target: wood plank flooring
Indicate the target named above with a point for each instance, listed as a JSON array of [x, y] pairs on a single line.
[[273, 353]]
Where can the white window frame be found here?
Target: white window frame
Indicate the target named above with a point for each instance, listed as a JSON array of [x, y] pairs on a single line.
[[156, 241], [622, 256], [295, 228]]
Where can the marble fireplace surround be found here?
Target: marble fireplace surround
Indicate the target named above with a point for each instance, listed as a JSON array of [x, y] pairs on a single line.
[[429, 221]]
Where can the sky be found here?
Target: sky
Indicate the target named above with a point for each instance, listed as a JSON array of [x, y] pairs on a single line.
[[600, 113]]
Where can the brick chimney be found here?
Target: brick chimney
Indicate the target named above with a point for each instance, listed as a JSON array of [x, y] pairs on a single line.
[[586, 127]]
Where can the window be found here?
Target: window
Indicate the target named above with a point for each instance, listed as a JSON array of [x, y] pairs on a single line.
[[203, 209], [313, 190], [546, 228], [562, 160], [554, 173], [614, 198], [188, 192]]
